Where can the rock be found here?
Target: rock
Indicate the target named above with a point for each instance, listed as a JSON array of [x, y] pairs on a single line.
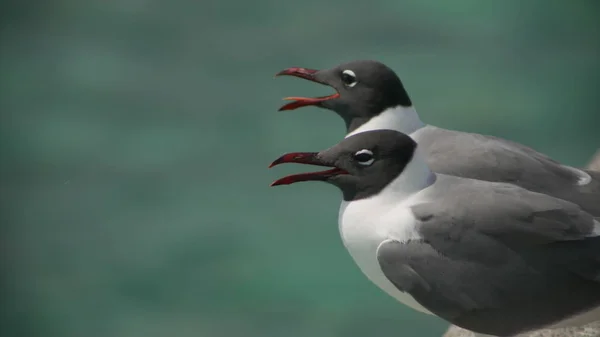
[[590, 330]]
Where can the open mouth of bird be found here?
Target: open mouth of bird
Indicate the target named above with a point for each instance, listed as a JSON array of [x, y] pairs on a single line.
[[298, 102], [309, 158]]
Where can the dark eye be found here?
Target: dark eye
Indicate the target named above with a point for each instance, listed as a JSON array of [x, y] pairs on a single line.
[[349, 78], [364, 157]]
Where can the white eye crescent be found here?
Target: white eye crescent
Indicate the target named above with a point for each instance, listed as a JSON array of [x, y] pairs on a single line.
[[364, 157], [349, 78]]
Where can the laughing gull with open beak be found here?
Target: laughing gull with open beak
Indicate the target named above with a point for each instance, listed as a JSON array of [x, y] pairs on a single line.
[[493, 258], [370, 96]]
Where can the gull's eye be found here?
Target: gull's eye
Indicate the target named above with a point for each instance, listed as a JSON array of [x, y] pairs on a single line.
[[349, 78], [364, 157]]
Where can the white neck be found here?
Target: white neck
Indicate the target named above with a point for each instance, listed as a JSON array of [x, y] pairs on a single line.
[[399, 118], [415, 177]]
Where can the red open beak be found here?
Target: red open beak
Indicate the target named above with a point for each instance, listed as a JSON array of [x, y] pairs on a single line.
[[298, 102], [310, 158]]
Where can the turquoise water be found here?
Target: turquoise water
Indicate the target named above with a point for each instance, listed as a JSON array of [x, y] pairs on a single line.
[[136, 136]]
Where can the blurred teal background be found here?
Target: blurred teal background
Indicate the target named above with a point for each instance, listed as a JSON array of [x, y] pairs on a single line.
[[136, 134]]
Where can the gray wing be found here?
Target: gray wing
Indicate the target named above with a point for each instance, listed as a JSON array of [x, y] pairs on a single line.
[[489, 158], [526, 261]]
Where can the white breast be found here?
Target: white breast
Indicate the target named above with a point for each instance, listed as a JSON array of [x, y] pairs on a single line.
[[365, 224]]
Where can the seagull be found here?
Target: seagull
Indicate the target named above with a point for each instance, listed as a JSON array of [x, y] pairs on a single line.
[[370, 96], [493, 258]]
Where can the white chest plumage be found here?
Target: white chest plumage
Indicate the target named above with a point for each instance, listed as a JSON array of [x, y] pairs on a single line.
[[365, 224]]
